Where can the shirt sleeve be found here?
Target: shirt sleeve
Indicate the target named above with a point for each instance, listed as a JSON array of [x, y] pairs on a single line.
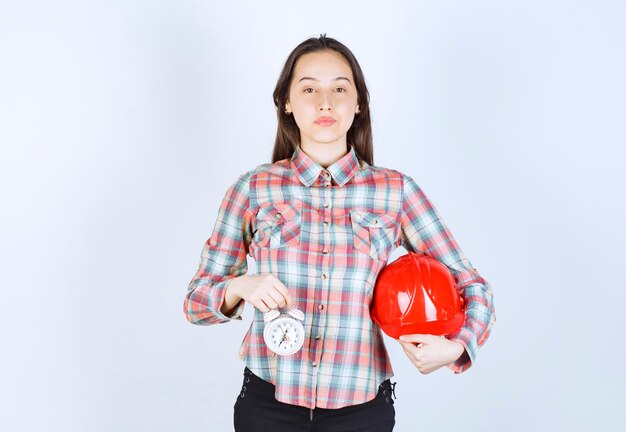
[[423, 230], [223, 258]]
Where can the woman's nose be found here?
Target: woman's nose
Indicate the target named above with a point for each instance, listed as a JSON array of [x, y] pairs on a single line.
[[325, 102]]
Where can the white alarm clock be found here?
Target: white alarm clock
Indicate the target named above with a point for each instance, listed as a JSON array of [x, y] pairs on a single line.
[[284, 332]]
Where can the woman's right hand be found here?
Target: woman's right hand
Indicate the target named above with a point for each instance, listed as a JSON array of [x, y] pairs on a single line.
[[265, 292]]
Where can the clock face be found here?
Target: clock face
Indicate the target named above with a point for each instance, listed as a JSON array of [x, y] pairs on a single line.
[[284, 335]]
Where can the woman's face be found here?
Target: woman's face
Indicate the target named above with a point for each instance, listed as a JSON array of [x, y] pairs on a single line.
[[322, 98]]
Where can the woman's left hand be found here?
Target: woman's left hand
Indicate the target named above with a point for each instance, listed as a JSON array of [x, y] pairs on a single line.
[[428, 352]]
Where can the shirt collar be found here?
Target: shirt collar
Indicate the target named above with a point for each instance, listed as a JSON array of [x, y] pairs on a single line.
[[308, 170]]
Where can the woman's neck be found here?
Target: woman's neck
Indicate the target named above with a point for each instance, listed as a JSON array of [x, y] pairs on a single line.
[[325, 154]]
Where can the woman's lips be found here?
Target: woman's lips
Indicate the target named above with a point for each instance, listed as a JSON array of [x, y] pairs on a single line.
[[325, 121]]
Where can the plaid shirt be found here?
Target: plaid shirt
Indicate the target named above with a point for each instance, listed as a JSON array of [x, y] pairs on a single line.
[[326, 234]]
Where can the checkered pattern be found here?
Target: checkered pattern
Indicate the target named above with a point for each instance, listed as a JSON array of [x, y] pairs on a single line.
[[326, 234]]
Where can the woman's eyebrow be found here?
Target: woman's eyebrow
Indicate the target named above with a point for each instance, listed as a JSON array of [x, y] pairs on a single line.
[[315, 79]]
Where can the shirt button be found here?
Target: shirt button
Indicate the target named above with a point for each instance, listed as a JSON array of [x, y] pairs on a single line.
[[318, 337], [320, 307], [325, 251], [324, 276], [314, 364], [326, 223], [326, 205]]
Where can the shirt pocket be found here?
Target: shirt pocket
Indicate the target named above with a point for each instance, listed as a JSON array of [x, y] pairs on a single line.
[[373, 233], [278, 225]]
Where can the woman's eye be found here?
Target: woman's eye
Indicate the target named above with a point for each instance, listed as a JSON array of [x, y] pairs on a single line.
[[341, 90], [308, 90]]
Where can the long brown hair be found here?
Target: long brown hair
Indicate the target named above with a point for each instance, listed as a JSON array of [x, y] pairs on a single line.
[[288, 135]]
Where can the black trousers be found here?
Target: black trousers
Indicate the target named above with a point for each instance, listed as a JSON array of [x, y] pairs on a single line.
[[257, 410]]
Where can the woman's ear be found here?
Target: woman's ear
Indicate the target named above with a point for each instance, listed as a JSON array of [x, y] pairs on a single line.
[[287, 108]]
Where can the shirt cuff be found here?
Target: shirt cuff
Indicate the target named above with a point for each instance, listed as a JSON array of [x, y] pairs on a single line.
[[219, 294], [466, 338]]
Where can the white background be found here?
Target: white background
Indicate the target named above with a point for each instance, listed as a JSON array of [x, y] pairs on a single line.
[[122, 123]]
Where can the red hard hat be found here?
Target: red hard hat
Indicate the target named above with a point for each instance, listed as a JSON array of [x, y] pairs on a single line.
[[417, 294]]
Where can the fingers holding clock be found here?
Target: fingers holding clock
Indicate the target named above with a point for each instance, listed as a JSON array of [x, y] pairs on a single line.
[[271, 300], [286, 298], [274, 293], [265, 292], [275, 298]]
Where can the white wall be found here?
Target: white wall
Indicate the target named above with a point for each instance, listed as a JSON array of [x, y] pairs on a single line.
[[122, 123]]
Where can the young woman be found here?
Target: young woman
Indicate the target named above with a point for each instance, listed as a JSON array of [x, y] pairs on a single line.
[[320, 222]]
